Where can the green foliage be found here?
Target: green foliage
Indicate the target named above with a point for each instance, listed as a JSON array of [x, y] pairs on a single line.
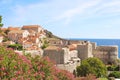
[[115, 74], [48, 34], [113, 68], [88, 77], [13, 65], [45, 43], [1, 21], [15, 46], [103, 79], [92, 66], [44, 46], [5, 39], [6, 31]]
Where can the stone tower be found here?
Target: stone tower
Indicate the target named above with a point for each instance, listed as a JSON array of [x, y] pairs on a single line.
[[108, 54], [84, 50]]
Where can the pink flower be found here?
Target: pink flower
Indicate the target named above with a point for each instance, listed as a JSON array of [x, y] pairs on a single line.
[[3, 68], [18, 72], [42, 74], [13, 79], [15, 67]]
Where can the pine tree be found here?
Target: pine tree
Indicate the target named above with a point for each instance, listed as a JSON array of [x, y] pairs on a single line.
[[1, 23]]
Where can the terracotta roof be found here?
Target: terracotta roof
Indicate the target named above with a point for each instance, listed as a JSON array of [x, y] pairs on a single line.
[[3, 29], [31, 26], [32, 48], [22, 39], [1, 35], [31, 31], [17, 31], [32, 38], [53, 48], [28, 42], [13, 28], [72, 47]]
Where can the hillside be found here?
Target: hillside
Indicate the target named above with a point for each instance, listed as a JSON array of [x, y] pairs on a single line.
[[51, 35]]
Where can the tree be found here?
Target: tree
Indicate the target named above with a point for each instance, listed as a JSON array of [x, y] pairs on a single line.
[[7, 31], [45, 43], [92, 66], [1, 22], [113, 68], [15, 46], [115, 74]]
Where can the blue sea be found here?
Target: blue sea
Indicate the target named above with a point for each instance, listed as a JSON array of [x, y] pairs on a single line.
[[103, 42]]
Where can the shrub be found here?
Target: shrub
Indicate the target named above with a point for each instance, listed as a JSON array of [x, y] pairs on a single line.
[[115, 74], [113, 68], [14, 66], [88, 77], [15, 46], [92, 66]]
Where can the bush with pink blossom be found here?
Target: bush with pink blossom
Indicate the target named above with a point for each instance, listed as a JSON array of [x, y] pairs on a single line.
[[14, 66]]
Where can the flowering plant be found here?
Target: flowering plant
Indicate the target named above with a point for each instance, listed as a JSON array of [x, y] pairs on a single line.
[[14, 66]]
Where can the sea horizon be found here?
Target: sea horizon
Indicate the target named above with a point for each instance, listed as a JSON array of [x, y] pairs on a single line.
[[102, 42], [91, 38]]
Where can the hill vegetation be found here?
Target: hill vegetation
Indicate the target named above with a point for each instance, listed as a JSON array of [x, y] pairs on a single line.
[[92, 66]]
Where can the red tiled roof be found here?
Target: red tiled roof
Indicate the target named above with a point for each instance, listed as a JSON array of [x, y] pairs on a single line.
[[3, 29], [17, 31], [53, 48], [71, 47], [13, 28], [31, 26]]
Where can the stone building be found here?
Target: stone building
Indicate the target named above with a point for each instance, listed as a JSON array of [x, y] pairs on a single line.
[[84, 50], [54, 41], [55, 53], [71, 67], [73, 42], [36, 28], [108, 54], [1, 38], [30, 42], [94, 45], [65, 58], [14, 28], [16, 35]]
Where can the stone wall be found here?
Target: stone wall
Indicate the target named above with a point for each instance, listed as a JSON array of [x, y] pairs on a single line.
[[94, 45], [108, 54], [34, 52], [35, 28], [84, 50], [73, 53], [69, 67], [56, 56], [61, 56]]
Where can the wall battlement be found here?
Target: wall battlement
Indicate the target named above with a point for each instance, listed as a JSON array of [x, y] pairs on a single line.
[[108, 54]]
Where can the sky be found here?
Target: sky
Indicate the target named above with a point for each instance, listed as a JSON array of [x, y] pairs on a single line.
[[65, 18]]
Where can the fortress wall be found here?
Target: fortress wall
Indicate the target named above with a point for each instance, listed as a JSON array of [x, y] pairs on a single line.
[[66, 55], [54, 55], [84, 50], [106, 53], [94, 45], [73, 53], [73, 42], [69, 67]]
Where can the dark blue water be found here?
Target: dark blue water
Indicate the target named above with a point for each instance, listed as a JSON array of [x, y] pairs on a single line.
[[104, 42]]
